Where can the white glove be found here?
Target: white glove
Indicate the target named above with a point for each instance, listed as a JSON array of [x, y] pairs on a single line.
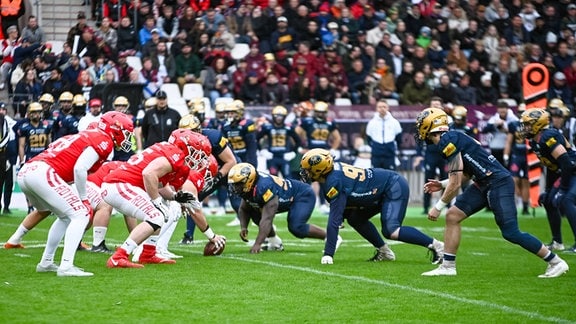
[[219, 241], [289, 156], [335, 154], [162, 208], [192, 206], [266, 154], [175, 211], [327, 260]]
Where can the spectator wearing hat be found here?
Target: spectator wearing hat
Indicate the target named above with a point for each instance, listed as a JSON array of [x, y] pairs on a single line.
[[149, 48], [272, 66], [188, 66], [569, 21], [127, 37], [77, 29], [32, 31], [424, 37], [159, 122], [368, 20], [122, 68], [88, 49], [93, 115], [284, 38], [392, 19], [559, 89]]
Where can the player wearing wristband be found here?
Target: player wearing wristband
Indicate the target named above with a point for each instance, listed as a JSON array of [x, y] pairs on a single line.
[[493, 186], [358, 194], [45, 181]]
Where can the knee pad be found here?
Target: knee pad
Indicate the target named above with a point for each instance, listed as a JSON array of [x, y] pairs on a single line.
[[154, 226]]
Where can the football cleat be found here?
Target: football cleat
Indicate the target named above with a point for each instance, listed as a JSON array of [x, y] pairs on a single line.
[[13, 246], [571, 249], [164, 253], [555, 246], [437, 251], [187, 240], [273, 244], [383, 254], [73, 272], [555, 269], [234, 222], [101, 248], [155, 259], [338, 243], [120, 260], [52, 267], [442, 270], [83, 247]]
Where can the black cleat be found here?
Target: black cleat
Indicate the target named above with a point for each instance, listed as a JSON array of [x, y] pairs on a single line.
[[101, 248], [187, 240]]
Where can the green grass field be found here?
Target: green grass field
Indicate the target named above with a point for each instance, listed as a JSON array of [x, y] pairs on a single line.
[[496, 283]]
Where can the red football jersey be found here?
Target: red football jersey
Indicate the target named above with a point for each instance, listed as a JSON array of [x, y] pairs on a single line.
[[98, 176], [64, 152], [131, 171], [197, 179]]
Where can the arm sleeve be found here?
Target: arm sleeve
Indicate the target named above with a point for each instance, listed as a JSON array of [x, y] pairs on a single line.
[[85, 161], [566, 167]]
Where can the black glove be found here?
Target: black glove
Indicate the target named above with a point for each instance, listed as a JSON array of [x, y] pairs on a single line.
[[184, 196], [217, 178], [543, 199]]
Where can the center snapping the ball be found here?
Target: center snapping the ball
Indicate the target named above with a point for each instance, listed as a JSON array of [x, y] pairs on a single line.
[[211, 250]]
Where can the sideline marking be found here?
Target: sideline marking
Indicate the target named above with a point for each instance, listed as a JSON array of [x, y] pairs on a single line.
[[481, 303]]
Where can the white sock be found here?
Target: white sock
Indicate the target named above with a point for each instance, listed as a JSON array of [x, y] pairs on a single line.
[[129, 245], [152, 240], [165, 235], [99, 235], [55, 235], [73, 237], [16, 238]]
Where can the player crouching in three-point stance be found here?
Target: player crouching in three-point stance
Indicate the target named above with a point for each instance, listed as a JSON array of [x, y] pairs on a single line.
[[358, 194], [493, 186], [264, 195], [45, 181], [139, 187]]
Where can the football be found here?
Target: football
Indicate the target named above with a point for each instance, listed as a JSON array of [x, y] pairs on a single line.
[[211, 250]]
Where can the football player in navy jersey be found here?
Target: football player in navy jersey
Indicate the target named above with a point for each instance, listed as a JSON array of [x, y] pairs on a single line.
[[460, 123], [263, 196], [66, 123], [357, 194], [557, 155], [220, 119], [493, 186], [281, 140], [49, 114], [240, 132], [226, 160]]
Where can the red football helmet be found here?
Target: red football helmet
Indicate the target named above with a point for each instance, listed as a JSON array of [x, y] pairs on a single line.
[[195, 145], [120, 127], [210, 172]]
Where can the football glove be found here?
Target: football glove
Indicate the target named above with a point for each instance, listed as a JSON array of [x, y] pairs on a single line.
[[219, 241], [184, 196], [163, 209], [289, 156], [558, 198]]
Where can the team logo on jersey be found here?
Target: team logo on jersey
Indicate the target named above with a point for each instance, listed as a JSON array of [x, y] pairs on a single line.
[[267, 195], [169, 122], [251, 128], [449, 149], [32, 132], [332, 193], [551, 141], [175, 157], [103, 145], [223, 142]]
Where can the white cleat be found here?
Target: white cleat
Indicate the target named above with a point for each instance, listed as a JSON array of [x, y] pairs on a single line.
[[73, 272], [338, 243], [325, 209], [442, 270], [555, 269], [234, 222], [273, 244], [437, 249], [383, 254], [555, 246], [165, 254], [52, 267]]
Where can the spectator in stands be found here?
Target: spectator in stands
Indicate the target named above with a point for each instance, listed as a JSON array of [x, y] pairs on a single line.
[[529, 16], [506, 83], [385, 87], [469, 37], [32, 31], [475, 72], [88, 47], [419, 59], [42, 68], [414, 20], [445, 90], [223, 39], [503, 21], [274, 93], [416, 92], [250, 91], [480, 54], [97, 71], [516, 33], [187, 21], [406, 75], [84, 84], [464, 94], [457, 21], [311, 36], [348, 25], [374, 35], [569, 21], [200, 6], [127, 37], [149, 48], [145, 33], [122, 68], [284, 38], [551, 18], [27, 90], [570, 73], [324, 91], [218, 81], [77, 29], [25, 50], [358, 80], [167, 23], [240, 25], [188, 66], [487, 94], [562, 59], [301, 90], [491, 41], [436, 55], [55, 85], [7, 48], [559, 89], [261, 25], [212, 19], [338, 79], [141, 15], [457, 56], [108, 34], [150, 77], [164, 62]]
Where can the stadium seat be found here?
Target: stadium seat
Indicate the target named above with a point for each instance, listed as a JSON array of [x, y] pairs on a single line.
[[511, 102], [240, 51], [172, 90], [178, 104], [209, 111], [392, 102], [342, 102], [192, 90], [134, 62]]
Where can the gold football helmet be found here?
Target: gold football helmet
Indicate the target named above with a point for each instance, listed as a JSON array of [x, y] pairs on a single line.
[[460, 113], [121, 104], [556, 103], [320, 110], [34, 107], [197, 105], [150, 103], [46, 98], [241, 178], [190, 122], [79, 101], [430, 120], [66, 96], [315, 165], [279, 110], [533, 121]]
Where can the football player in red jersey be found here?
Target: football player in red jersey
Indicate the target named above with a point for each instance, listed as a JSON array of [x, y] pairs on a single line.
[[45, 181], [134, 190]]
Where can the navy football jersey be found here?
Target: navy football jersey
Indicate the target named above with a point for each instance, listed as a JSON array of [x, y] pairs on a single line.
[[519, 147], [480, 165], [37, 137], [268, 186], [549, 139], [467, 129], [242, 139], [65, 125], [217, 141], [280, 139], [317, 133]]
